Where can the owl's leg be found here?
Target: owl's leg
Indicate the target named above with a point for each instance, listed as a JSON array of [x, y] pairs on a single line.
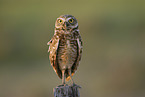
[[71, 77], [63, 77], [73, 83]]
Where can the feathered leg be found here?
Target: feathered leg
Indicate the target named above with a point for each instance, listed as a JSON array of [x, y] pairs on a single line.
[[73, 83], [63, 77], [71, 77]]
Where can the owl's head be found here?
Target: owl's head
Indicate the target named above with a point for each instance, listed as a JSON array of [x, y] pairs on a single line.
[[66, 23]]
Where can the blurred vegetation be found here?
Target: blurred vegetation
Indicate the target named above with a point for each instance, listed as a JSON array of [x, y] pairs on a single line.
[[113, 33]]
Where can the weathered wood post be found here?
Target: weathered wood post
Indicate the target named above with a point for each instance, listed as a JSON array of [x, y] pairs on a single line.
[[67, 91]]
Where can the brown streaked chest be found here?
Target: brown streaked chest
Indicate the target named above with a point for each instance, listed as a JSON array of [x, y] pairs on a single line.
[[67, 52]]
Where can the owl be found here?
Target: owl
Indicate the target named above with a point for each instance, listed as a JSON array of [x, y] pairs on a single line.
[[65, 47]]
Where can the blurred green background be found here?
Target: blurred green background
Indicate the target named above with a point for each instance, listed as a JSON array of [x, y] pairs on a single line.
[[113, 33]]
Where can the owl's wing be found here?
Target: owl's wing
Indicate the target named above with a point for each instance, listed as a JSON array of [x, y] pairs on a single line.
[[54, 42], [79, 54]]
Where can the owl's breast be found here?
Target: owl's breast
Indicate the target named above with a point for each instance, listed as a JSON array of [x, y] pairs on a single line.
[[67, 53]]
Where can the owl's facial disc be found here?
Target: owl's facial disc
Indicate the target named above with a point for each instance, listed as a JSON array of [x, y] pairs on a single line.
[[66, 24]]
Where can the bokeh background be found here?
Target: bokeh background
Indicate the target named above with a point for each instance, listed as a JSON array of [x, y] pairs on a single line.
[[113, 33]]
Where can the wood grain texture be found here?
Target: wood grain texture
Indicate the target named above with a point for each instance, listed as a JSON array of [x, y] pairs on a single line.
[[66, 91]]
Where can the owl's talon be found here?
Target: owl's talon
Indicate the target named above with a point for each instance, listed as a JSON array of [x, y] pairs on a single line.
[[62, 85], [76, 85]]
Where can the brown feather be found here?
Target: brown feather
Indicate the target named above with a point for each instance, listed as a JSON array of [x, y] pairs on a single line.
[[53, 55]]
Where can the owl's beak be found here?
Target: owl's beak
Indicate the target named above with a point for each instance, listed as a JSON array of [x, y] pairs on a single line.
[[66, 25]]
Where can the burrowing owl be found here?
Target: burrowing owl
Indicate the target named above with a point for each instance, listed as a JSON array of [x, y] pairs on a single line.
[[65, 47]]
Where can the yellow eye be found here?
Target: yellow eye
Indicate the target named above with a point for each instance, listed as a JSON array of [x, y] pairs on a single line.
[[71, 20], [60, 21]]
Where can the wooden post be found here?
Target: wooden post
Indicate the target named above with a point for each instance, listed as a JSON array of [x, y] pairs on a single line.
[[66, 91]]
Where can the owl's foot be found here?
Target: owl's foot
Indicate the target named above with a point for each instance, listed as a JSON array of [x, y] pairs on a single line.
[[76, 85], [62, 85]]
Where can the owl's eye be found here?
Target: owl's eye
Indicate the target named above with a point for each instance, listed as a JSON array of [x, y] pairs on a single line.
[[71, 20], [60, 21]]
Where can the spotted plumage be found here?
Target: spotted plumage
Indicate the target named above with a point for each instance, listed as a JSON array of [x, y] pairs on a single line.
[[65, 47]]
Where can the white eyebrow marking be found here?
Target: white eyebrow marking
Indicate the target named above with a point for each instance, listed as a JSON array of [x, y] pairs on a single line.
[[68, 18], [61, 19]]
